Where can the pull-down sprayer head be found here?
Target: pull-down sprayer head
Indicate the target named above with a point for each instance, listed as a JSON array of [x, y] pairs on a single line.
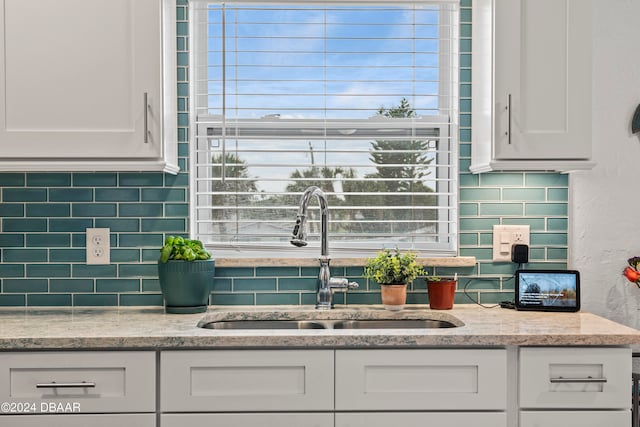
[[298, 237]]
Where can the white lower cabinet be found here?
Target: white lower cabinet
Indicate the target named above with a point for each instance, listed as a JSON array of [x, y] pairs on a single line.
[[420, 380], [422, 419], [575, 418], [76, 382], [333, 388], [548, 387], [248, 420], [586, 386], [246, 380], [98, 420]]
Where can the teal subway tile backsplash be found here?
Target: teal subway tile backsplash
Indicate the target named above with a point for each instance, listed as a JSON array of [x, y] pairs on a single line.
[[44, 215], [11, 209], [95, 300], [117, 195], [70, 195], [49, 180], [12, 180], [25, 285], [25, 255], [23, 225], [48, 209], [98, 179], [48, 240], [72, 285], [49, 300], [24, 195], [524, 194]]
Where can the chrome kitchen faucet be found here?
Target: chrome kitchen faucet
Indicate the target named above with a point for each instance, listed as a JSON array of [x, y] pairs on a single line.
[[326, 284]]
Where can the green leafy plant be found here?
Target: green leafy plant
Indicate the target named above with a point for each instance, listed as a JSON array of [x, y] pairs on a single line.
[[393, 268], [179, 248]]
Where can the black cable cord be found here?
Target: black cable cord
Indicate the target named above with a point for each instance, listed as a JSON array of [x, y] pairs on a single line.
[[468, 282]]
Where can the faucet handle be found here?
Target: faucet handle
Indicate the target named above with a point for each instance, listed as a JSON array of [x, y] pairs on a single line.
[[340, 284]]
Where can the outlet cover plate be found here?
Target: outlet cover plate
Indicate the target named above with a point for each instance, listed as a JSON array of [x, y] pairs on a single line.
[[98, 246], [504, 236]]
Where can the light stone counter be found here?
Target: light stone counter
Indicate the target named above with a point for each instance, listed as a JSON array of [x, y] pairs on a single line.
[[151, 328]]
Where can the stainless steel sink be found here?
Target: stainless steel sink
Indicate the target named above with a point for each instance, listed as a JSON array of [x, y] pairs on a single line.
[[264, 324], [330, 324], [393, 324]]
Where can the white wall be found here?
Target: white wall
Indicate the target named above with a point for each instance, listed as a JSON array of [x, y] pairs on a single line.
[[605, 202]]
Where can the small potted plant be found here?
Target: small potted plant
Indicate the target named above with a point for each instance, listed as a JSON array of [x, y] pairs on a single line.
[[441, 292], [393, 271], [185, 270]]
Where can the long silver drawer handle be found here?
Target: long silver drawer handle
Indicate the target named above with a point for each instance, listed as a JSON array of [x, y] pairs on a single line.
[[146, 117], [65, 385], [578, 380], [508, 108]]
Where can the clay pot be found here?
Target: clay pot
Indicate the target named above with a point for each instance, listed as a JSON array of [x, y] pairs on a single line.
[[441, 294], [394, 297]]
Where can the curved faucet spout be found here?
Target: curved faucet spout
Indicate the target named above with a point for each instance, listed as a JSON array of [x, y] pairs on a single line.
[[299, 235]]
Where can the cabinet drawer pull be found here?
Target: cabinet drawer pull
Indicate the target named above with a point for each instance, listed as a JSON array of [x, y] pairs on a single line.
[[508, 108], [146, 117], [54, 384], [578, 380]]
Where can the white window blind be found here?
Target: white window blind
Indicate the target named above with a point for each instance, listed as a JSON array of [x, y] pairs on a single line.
[[357, 98]]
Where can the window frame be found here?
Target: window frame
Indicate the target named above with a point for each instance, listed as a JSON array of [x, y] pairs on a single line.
[[448, 190]]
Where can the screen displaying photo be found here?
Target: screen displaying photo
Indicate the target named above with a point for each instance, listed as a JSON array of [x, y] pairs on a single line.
[[548, 289]]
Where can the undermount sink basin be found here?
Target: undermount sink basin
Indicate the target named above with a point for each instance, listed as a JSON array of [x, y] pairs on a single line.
[[393, 324], [264, 324], [330, 324]]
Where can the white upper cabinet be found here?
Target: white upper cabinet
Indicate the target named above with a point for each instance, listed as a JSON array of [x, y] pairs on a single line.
[[531, 85], [88, 85]]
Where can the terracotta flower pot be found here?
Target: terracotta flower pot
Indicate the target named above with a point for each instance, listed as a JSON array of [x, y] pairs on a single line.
[[394, 297], [441, 294]]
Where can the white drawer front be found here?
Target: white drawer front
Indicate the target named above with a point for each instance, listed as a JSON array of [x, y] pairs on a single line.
[[575, 418], [421, 379], [102, 420], [248, 420], [96, 381], [422, 419], [246, 380], [582, 377]]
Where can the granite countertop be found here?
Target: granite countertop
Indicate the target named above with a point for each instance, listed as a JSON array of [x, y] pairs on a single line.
[[151, 328]]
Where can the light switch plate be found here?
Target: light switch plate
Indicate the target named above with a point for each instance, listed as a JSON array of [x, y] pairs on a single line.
[[505, 236], [98, 246]]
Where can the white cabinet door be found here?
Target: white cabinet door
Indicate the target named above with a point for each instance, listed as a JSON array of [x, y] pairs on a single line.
[[575, 418], [246, 380], [102, 420], [83, 80], [422, 419], [572, 378], [418, 379], [248, 420], [78, 382], [531, 85], [542, 79]]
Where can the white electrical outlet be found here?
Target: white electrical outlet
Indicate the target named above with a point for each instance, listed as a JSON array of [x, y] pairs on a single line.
[[505, 236], [98, 246]]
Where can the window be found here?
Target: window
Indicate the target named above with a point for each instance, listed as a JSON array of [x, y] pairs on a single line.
[[357, 98]]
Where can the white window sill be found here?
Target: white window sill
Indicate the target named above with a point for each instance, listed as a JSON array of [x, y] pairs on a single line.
[[461, 261]]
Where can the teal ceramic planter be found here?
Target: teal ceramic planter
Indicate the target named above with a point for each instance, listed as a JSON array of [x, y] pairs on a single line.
[[186, 285]]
